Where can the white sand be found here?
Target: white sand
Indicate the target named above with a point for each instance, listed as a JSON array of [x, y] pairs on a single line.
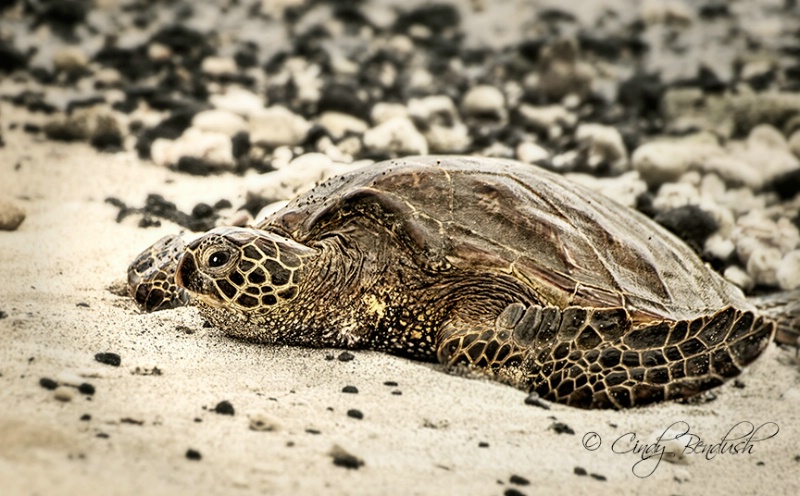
[[425, 441]]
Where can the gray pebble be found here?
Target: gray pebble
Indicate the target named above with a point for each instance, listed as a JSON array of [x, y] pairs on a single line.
[[11, 215]]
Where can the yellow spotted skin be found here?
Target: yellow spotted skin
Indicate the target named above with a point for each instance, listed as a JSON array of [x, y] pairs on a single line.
[[508, 269]]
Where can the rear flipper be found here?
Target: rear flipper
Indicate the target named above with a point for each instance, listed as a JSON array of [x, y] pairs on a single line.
[[594, 358]]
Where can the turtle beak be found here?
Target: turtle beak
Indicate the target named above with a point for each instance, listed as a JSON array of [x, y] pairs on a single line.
[[186, 275]]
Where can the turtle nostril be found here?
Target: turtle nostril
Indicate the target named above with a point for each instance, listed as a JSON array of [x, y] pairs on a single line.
[[218, 259]]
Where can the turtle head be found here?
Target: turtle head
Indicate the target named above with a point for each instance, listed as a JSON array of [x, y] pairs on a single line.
[[243, 270]]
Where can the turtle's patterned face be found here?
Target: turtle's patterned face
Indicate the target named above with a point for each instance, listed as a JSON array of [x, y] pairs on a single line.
[[243, 269]]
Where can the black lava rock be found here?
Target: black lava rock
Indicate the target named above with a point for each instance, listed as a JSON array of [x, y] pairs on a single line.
[[193, 455], [562, 428], [11, 59], [109, 359], [224, 408], [356, 414], [86, 389], [48, 383], [690, 223], [345, 356], [786, 185], [519, 480]]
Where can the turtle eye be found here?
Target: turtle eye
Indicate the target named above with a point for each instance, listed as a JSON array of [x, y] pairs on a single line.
[[218, 259]]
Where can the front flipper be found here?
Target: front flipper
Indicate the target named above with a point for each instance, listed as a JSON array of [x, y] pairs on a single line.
[[596, 358]]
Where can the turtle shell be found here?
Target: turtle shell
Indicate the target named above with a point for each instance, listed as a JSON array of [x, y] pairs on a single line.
[[572, 246]]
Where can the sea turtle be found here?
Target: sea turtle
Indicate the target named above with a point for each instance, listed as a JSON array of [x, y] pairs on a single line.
[[505, 267]]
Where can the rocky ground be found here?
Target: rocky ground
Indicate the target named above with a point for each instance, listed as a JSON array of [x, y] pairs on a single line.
[[123, 121]]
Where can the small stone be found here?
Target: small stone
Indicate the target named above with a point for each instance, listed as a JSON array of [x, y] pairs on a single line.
[[224, 408], [263, 423], [739, 277], [513, 492], [787, 185], [580, 471], [219, 121], [483, 444], [213, 148], [734, 171], [338, 124], [674, 195], [534, 399], [690, 223], [278, 126], [788, 271], [85, 417], [396, 136], [531, 153], [238, 101], [605, 146], [448, 139], [519, 480], [551, 119], [64, 393], [219, 66], [71, 60], [598, 477], [11, 215], [345, 356], [86, 389], [356, 414], [382, 112], [562, 73], [625, 189], [433, 110], [485, 101], [194, 455], [562, 428], [109, 359], [719, 248], [762, 265], [660, 162], [390, 383], [350, 390], [343, 458], [794, 143], [48, 383]]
